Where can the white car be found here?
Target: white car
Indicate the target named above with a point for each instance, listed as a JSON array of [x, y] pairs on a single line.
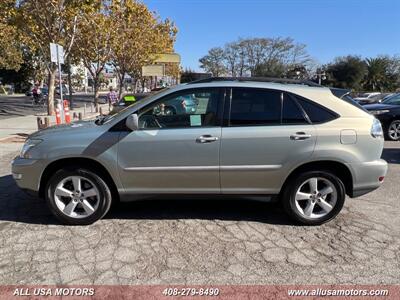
[[367, 97]]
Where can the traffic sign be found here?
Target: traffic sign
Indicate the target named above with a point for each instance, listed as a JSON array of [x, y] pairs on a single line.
[[56, 53]]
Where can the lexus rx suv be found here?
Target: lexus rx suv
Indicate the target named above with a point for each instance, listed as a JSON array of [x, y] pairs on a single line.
[[282, 140]]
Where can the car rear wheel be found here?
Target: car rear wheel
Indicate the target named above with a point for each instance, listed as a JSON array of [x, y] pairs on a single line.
[[78, 196], [393, 132], [314, 197]]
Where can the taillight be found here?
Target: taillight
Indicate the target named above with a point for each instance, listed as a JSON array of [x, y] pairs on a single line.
[[376, 129]]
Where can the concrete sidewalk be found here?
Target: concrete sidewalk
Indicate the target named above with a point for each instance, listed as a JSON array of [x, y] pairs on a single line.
[[28, 124]]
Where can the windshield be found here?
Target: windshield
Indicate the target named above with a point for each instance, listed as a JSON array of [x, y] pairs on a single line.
[[394, 100]]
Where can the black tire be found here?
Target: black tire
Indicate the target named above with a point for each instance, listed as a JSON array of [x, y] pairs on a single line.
[[290, 190], [388, 137], [104, 199]]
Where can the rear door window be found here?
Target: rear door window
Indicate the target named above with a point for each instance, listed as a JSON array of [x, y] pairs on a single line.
[[315, 112], [292, 112], [255, 107]]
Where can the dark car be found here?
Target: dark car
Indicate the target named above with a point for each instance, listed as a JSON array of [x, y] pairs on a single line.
[[388, 112]]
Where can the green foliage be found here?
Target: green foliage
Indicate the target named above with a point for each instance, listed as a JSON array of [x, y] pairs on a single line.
[[213, 62], [347, 72], [380, 74]]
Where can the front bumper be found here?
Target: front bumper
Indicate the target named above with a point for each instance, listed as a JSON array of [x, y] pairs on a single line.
[[27, 173], [367, 175]]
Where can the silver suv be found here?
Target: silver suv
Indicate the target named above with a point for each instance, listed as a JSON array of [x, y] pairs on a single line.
[[280, 140]]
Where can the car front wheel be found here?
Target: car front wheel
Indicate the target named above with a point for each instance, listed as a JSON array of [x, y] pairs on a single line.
[[78, 196], [314, 197], [394, 131]]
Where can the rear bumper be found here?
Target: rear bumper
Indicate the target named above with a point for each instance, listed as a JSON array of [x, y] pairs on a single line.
[[366, 176]]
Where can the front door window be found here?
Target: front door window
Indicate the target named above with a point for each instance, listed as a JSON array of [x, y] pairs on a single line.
[[191, 108]]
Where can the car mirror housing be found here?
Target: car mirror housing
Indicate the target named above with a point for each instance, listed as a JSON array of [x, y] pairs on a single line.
[[132, 122]]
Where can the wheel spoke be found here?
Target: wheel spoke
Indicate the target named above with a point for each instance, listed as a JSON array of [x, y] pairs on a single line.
[[313, 184], [76, 181], [87, 207], [63, 192], [326, 190], [309, 209], [70, 207], [325, 205], [90, 193], [302, 196]]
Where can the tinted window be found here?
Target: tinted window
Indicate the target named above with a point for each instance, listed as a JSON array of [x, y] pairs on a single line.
[[255, 107], [394, 100], [291, 112], [315, 112], [190, 108]]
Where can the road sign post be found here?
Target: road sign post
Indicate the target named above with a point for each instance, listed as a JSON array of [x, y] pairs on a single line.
[[57, 56]]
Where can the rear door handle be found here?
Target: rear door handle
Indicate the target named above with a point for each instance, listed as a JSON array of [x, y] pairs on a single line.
[[206, 139], [300, 136]]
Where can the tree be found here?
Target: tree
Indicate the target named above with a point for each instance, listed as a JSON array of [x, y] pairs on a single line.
[[274, 57], [213, 62], [382, 74], [94, 41], [232, 58], [140, 36], [347, 72], [11, 56], [41, 22], [270, 57]]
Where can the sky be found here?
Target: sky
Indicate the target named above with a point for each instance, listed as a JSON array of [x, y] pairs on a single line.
[[329, 28]]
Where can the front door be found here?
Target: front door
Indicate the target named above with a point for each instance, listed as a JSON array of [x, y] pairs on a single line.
[[176, 149], [266, 133]]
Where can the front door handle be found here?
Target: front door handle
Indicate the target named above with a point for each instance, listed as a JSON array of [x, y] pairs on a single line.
[[206, 139], [300, 136]]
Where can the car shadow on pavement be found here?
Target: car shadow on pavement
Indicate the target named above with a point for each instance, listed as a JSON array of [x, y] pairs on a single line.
[[235, 209], [391, 155], [18, 207]]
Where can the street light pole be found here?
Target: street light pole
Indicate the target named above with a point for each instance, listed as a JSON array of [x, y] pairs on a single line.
[[321, 76]]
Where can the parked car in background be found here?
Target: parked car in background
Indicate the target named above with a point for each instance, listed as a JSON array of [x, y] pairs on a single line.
[[388, 112], [282, 140], [65, 89], [366, 98]]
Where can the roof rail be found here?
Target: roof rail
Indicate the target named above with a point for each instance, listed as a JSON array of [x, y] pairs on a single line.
[[258, 79]]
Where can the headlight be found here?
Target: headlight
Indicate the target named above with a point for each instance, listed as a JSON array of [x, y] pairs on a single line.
[[376, 129], [379, 112], [29, 144]]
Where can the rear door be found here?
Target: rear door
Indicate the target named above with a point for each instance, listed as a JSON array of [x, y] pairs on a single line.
[[265, 134]]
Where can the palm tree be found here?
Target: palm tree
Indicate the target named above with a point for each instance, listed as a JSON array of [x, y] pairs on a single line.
[[377, 74]]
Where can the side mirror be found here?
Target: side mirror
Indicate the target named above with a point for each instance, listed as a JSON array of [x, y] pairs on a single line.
[[132, 122]]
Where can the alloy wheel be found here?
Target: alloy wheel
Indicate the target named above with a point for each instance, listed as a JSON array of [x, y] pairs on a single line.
[[77, 197], [315, 198], [394, 131]]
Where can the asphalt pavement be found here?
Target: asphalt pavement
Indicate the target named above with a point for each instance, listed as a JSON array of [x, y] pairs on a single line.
[[21, 105], [201, 242]]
